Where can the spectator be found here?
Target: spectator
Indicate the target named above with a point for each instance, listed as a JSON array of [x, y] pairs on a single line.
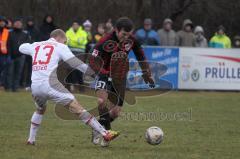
[[34, 34], [16, 38], [237, 41], [146, 35], [220, 40], [9, 24], [186, 36], [47, 27], [199, 39], [32, 30], [101, 30], [77, 41], [109, 26], [4, 52], [77, 38], [168, 36], [88, 28]]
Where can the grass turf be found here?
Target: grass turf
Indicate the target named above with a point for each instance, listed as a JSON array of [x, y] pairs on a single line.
[[196, 125]]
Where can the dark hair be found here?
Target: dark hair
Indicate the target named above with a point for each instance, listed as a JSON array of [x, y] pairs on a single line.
[[124, 23], [221, 27], [102, 25], [45, 18]]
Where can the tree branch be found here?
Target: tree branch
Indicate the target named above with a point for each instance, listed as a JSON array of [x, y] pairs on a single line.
[[183, 6]]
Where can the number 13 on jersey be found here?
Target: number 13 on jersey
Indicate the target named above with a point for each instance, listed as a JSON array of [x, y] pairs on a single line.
[[43, 54]]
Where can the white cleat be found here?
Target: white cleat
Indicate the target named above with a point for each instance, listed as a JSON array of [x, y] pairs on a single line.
[[30, 143], [96, 137], [104, 143]]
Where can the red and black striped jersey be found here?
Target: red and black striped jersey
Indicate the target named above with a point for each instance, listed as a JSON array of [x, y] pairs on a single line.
[[109, 45]]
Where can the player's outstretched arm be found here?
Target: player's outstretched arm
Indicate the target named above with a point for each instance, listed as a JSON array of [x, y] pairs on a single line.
[[147, 77], [146, 72], [26, 48], [74, 62]]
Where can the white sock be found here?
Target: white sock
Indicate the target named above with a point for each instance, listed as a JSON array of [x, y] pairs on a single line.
[[90, 120], [35, 123]]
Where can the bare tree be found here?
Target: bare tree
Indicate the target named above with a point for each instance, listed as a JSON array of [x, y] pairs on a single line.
[[208, 13]]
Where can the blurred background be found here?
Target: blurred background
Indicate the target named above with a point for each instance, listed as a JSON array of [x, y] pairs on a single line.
[[208, 13]]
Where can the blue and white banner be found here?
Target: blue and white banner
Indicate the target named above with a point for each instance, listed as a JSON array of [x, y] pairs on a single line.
[[209, 69], [164, 67]]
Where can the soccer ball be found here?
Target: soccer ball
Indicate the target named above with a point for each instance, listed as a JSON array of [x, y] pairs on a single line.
[[154, 135]]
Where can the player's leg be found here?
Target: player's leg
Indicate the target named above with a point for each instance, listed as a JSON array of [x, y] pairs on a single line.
[[60, 95], [75, 108], [114, 108], [114, 112], [117, 101], [104, 117], [103, 88], [36, 119], [90, 120]]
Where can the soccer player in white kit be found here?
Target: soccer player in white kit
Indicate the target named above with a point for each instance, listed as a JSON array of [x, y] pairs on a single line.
[[45, 85]]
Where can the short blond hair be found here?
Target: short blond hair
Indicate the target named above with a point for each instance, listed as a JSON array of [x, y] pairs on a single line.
[[58, 33]]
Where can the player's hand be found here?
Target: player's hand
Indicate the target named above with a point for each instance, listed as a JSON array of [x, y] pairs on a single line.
[[148, 79], [151, 82]]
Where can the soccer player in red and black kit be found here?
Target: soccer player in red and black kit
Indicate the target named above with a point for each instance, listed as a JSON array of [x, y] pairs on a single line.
[[113, 50]]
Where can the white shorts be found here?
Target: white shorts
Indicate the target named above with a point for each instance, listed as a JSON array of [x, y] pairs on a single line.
[[42, 92]]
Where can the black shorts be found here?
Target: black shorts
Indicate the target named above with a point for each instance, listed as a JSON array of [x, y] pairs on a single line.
[[116, 90]]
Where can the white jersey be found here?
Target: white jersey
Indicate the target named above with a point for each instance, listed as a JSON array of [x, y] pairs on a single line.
[[46, 56]]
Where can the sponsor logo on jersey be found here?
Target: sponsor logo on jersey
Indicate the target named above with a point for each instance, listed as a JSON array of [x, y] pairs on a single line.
[[95, 53]]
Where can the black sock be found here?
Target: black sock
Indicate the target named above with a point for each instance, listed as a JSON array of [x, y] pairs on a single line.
[[111, 119], [105, 118]]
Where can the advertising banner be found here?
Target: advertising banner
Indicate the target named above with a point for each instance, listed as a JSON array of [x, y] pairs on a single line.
[[164, 67], [209, 69]]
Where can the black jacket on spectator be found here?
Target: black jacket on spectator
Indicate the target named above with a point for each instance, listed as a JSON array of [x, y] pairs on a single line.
[[46, 29], [16, 38], [33, 33]]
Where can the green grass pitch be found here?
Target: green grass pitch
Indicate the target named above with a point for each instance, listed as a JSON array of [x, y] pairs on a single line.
[[197, 125]]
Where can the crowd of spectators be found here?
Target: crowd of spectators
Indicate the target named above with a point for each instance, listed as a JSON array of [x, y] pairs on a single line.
[[188, 36], [15, 68]]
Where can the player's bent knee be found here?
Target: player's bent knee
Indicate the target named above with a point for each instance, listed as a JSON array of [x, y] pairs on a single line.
[[115, 115], [101, 102], [41, 110], [115, 112]]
